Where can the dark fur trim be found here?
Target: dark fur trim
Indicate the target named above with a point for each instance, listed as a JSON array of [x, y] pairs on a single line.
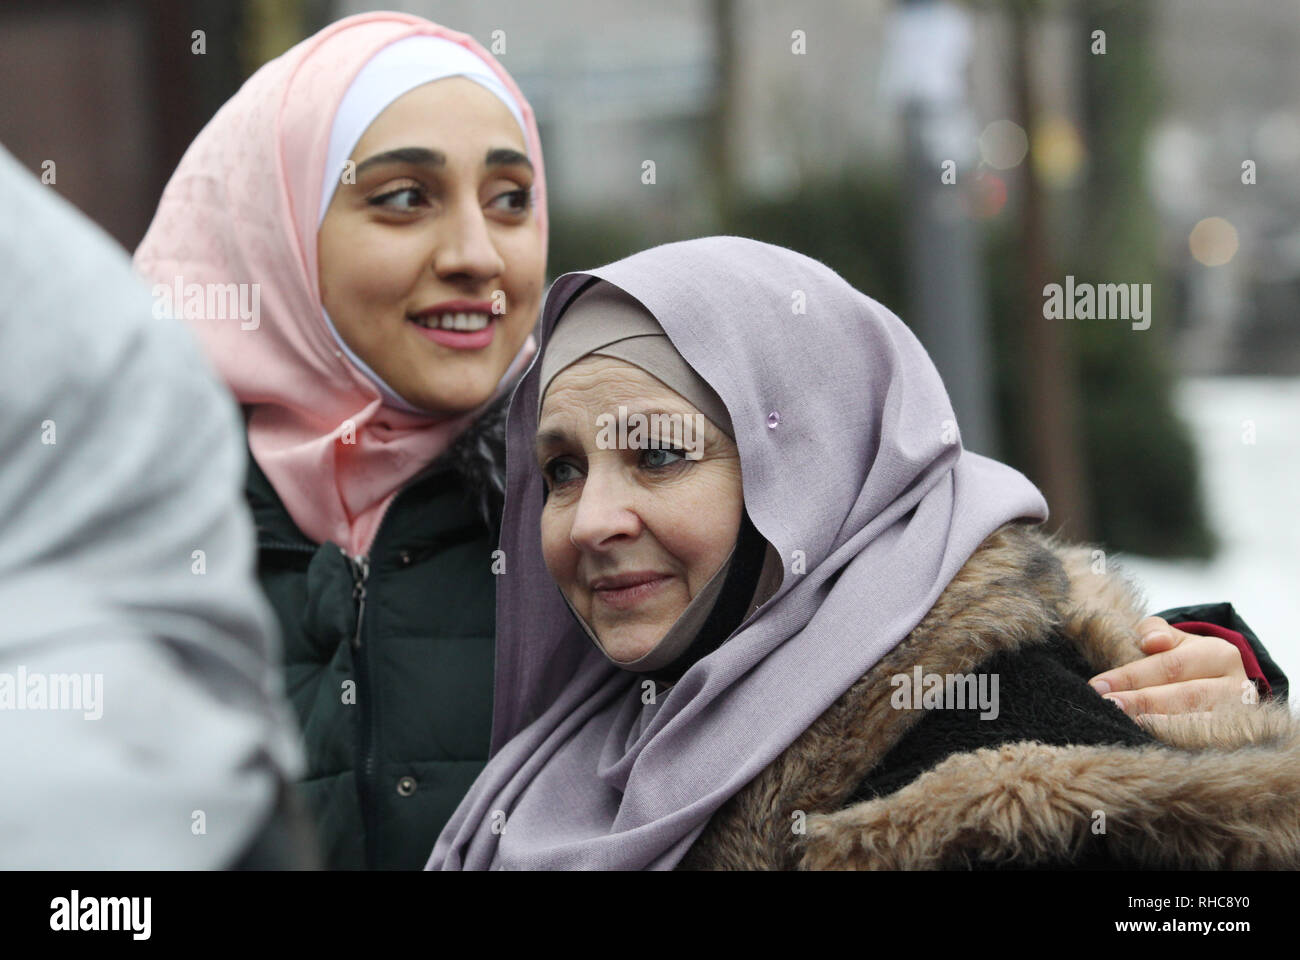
[[1200, 798], [1010, 592], [479, 457], [1226, 799]]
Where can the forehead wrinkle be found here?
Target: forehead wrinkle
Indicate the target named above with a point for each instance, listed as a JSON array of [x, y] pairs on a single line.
[[598, 385], [614, 383]]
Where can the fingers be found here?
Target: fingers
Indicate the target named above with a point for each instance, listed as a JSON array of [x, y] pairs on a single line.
[[1182, 673], [1156, 635], [1188, 696], [1191, 658]]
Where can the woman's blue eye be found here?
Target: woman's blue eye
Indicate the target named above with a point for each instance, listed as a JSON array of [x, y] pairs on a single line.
[[561, 471], [662, 457]]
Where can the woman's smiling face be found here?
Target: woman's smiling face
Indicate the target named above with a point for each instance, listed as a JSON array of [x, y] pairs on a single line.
[[439, 224], [631, 535]]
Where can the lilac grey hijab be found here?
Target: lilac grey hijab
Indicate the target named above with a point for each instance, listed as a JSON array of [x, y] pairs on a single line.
[[844, 431]]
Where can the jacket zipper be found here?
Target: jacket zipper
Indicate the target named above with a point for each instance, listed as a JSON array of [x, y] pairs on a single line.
[[361, 592], [366, 793], [359, 567], [360, 573], [367, 788]]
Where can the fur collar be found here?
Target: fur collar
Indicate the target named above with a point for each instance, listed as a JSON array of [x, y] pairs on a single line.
[[479, 457], [1217, 792], [1214, 795]]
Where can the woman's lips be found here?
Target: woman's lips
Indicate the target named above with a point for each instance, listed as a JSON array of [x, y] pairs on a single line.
[[459, 339], [625, 592]]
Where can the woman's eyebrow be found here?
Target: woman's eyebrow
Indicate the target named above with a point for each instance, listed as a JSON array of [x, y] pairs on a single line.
[[420, 156], [506, 157], [549, 438], [424, 157]]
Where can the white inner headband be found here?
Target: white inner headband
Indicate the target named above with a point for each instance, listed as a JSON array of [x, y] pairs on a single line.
[[391, 73]]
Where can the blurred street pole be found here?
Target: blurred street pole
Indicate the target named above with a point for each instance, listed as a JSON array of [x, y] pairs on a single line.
[[722, 143], [1051, 378], [926, 75]]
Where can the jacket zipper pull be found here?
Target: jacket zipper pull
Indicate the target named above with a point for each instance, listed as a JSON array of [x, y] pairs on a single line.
[[360, 571]]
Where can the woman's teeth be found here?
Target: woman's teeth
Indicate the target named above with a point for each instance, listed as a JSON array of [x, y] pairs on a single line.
[[453, 321]]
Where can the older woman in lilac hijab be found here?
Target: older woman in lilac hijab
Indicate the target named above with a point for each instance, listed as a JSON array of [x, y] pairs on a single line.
[[797, 625]]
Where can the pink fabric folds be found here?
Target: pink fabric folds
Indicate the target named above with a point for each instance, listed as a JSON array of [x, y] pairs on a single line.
[[242, 208]]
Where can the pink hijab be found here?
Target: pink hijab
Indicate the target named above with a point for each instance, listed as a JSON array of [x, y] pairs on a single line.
[[243, 208]]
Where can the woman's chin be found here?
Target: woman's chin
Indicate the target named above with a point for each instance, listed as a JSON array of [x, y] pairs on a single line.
[[444, 402], [629, 645]]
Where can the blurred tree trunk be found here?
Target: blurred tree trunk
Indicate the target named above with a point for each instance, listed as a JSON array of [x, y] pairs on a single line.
[[1054, 432], [189, 87], [1144, 471]]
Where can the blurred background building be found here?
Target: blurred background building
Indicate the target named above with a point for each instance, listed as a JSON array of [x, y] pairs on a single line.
[[948, 158]]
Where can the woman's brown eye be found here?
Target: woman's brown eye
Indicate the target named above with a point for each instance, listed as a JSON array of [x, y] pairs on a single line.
[[383, 200], [514, 201]]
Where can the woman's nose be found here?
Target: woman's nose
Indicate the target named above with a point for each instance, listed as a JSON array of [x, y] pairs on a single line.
[[604, 513], [465, 248]]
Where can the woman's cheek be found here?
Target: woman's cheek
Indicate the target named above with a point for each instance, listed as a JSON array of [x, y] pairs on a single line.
[[708, 522], [557, 552], [673, 518], [524, 277], [387, 275]]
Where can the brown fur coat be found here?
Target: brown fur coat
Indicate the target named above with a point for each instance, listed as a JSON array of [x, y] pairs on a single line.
[[1218, 792]]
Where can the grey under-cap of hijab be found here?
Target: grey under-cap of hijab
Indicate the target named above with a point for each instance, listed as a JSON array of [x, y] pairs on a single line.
[[605, 321]]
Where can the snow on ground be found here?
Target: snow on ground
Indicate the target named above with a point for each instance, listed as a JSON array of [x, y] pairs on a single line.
[[1252, 498]]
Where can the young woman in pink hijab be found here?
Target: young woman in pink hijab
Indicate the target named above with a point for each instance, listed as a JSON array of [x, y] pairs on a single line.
[[358, 238]]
